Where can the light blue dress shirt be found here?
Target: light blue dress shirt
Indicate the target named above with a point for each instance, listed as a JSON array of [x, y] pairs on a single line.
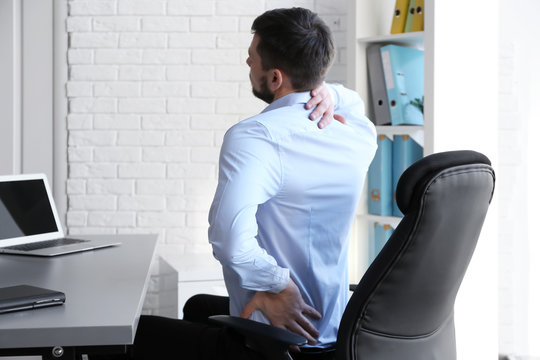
[[285, 203]]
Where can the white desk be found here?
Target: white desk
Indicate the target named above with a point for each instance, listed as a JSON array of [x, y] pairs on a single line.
[[195, 274], [104, 289]]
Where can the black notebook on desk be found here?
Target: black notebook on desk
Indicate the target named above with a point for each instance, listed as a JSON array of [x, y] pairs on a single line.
[[27, 297]]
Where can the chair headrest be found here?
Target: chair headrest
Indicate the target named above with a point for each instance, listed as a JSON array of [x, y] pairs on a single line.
[[421, 171]]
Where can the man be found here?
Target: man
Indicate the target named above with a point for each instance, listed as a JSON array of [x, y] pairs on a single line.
[[287, 191]]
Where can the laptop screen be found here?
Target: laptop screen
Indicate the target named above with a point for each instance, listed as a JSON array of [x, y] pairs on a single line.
[[25, 209]]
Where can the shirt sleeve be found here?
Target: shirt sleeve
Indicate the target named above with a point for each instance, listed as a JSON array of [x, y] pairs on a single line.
[[249, 175]]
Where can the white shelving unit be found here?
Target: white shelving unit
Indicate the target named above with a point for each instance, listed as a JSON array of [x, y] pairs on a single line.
[[367, 31], [416, 132], [460, 112], [393, 221], [412, 38]]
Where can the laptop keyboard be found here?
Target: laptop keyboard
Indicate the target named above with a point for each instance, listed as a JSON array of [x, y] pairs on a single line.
[[45, 244]]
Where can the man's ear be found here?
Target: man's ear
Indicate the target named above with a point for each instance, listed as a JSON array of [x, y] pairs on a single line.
[[276, 80]]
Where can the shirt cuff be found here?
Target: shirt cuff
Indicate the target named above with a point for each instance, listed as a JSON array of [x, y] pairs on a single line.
[[282, 280]]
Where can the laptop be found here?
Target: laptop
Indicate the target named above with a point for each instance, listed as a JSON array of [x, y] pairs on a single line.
[[29, 222], [26, 297]]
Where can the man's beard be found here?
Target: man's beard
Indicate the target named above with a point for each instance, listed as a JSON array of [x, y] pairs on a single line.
[[264, 93]]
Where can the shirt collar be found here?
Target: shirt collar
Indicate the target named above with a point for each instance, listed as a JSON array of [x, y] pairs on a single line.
[[288, 100]]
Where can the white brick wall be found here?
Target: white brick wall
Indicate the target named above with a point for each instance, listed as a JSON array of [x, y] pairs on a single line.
[[153, 86]]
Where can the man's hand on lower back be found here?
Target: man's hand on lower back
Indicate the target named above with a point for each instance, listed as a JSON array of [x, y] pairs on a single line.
[[286, 310]]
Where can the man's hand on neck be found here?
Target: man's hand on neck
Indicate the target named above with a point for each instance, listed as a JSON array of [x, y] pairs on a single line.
[[321, 99], [323, 104]]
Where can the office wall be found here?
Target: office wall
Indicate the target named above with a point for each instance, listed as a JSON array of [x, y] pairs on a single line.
[[153, 86], [519, 272], [9, 88], [26, 87]]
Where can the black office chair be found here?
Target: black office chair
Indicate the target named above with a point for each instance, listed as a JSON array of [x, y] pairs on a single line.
[[403, 308]]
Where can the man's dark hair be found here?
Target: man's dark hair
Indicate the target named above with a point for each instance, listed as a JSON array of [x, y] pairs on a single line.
[[297, 42]]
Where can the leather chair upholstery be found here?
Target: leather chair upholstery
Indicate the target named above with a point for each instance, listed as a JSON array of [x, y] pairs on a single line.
[[403, 307]]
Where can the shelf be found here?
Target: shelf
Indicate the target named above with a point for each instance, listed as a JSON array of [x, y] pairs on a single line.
[[391, 220], [399, 129], [416, 38], [416, 132]]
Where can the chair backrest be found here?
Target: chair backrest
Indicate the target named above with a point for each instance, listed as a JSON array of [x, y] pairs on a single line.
[[403, 308]]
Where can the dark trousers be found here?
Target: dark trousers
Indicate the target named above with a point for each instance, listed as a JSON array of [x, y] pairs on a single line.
[[195, 338], [192, 338], [200, 307]]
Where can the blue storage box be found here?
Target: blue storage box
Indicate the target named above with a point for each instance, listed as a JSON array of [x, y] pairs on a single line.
[[380, 179], [405, 152], [379, 236]]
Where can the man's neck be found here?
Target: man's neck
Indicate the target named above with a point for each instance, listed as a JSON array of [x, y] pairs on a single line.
[[282, 92]]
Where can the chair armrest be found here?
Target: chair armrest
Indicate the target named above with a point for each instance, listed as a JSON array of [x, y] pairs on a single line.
[[270, 341], [250, 328]]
